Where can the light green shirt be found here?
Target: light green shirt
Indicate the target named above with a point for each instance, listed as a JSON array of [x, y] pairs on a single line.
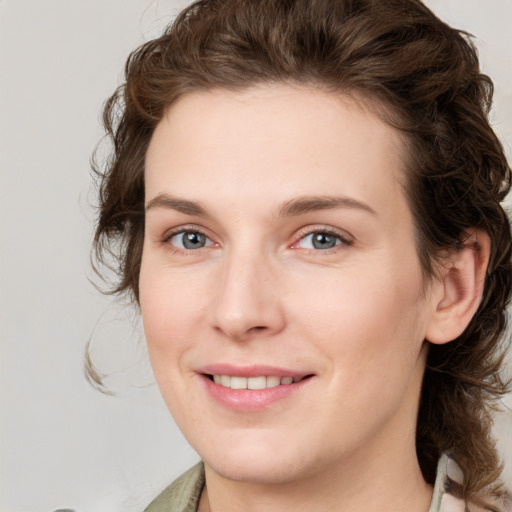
[[184, 493]]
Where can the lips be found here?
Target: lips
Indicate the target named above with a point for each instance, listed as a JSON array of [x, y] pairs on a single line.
[[251, 388], [255, 370]]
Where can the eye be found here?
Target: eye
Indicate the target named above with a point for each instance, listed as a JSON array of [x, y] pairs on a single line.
[[321, 240], [190, 240]]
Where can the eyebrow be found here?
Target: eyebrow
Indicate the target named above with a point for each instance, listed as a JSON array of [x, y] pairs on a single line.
[[174, 203], [293, 207], [303, 205]]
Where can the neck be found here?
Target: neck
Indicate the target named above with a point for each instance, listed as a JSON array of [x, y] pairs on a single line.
[[372, 484]]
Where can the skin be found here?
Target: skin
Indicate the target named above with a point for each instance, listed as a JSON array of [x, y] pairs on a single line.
[[354, 316]]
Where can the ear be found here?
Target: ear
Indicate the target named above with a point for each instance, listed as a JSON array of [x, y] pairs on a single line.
[[455, 297]]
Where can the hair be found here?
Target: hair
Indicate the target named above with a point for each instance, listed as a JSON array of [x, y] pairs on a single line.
[[425, 77]]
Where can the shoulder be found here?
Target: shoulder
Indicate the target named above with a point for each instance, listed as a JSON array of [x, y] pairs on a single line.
[[182, 495]]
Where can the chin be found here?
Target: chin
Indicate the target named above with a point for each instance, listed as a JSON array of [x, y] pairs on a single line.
[[259, 461], [255, 471]]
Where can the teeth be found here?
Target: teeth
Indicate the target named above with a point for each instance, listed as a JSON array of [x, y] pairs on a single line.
[[272, 382], [260, 382], [238, 383], [256, 383]]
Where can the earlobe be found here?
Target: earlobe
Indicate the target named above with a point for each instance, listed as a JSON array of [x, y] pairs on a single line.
[[455, 297]]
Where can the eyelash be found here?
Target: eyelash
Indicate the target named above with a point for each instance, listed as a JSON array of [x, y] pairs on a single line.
[[323, 230], [302, 234], [182, 230]]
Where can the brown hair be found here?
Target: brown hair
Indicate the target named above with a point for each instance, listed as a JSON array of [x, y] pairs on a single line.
[[397, 54]]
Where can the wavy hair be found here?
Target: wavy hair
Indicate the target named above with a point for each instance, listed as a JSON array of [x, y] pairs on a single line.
[[425, 76]]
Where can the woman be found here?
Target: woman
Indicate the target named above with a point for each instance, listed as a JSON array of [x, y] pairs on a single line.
[[305, 199]]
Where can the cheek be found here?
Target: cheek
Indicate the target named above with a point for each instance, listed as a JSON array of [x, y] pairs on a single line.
[[369, 331], [170, 310], [364, 319], [169, 304]]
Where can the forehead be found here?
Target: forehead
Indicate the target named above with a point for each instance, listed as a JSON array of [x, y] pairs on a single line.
[[262, 141]]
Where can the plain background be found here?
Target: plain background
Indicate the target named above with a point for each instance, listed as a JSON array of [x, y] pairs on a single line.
[[63, 444]]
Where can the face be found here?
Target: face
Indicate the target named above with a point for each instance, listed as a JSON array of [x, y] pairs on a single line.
[[281, 292]]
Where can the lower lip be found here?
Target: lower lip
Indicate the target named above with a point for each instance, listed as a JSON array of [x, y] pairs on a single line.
[[251, 399]]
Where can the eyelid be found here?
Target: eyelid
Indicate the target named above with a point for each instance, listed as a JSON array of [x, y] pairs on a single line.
[[169, 234], [346, 239]]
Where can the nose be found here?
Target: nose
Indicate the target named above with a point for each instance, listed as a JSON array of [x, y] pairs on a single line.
[[248, 299]]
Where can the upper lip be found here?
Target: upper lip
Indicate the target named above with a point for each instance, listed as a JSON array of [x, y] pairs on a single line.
[[250, 371]]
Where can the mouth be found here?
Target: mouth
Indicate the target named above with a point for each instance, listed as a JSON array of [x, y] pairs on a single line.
[[254, 383], [253, 388]]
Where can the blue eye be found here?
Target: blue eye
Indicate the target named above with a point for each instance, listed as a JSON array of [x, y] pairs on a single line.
[[320, 240], [190, 240]]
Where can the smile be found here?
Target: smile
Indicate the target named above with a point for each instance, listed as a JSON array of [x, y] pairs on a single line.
[[252, 388], [258, 382]]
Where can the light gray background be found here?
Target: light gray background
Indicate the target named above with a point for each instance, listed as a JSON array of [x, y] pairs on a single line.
[[62, 443]]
